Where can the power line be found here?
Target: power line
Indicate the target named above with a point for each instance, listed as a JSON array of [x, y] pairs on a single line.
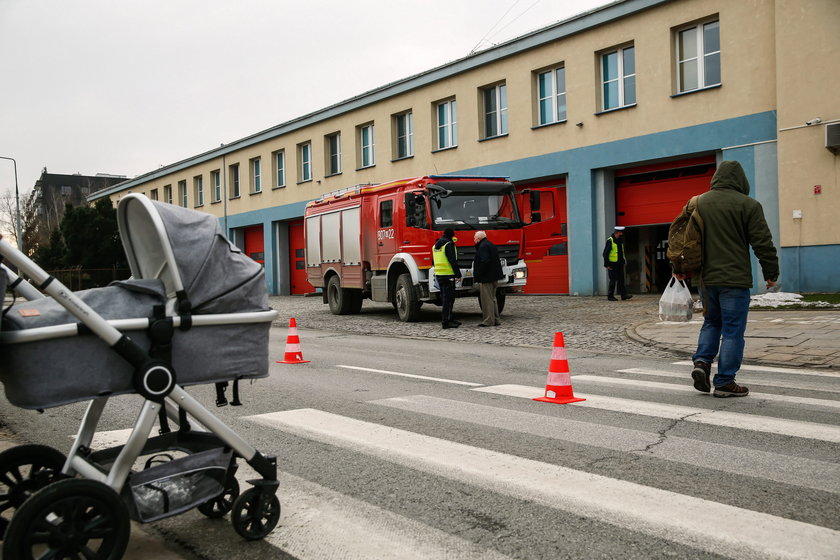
[[475, 48]]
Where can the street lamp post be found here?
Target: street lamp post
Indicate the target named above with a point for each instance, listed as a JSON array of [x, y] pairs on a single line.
[[18, 232]]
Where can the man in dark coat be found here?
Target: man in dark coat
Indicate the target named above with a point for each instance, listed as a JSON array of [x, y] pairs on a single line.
[[487, 271], [445, 259], [614, 261], [732, 223]]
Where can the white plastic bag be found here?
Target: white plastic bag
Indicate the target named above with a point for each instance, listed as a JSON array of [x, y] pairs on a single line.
[[676, 303]]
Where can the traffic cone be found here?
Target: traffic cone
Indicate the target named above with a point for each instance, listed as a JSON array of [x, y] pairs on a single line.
[[558, 387], [293, 352]]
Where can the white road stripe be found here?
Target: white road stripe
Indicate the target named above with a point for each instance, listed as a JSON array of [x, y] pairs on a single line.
[[661, 513], [723, 418], [320, 524], [424, 377], [785, 469], [773, 369], [689, 388], [747, 379]]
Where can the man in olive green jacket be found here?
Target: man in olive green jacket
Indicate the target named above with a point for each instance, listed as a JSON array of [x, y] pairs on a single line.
[[732, 223]]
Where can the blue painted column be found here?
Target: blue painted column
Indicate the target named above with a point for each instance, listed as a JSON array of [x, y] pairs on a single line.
[[583, 244]]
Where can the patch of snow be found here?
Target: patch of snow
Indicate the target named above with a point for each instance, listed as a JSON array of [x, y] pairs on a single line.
[[782, 299]]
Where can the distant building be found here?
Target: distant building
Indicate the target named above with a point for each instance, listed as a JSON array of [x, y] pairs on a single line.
[[54, 191]]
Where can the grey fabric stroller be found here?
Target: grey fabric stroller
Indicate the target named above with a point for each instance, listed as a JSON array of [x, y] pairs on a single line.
[[150, 335]]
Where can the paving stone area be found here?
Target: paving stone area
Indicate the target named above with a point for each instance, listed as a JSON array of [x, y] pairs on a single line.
[[794, 338], [587, 323]]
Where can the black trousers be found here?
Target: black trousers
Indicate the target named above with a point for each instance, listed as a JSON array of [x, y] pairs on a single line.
[[447, 296], [616, 274]]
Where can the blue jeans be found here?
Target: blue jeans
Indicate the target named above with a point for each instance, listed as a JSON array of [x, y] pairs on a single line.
[[723, 331]]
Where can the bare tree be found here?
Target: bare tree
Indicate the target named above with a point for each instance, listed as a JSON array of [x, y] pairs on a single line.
[[8, 216]]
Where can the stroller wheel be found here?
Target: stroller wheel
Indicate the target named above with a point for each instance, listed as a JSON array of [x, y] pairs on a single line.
[[255, 514], [223, 503], [72, 518], [24, 470]]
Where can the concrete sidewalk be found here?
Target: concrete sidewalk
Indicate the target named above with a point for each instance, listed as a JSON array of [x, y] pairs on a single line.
[[795, 338]]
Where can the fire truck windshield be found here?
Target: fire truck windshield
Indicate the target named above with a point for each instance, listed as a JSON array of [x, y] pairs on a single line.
[[484, 205]]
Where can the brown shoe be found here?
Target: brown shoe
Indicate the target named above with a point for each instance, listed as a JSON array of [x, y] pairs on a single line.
[[700, 374], [731, 390]]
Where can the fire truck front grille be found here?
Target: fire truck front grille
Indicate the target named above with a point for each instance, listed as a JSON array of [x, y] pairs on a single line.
[[466, 255]]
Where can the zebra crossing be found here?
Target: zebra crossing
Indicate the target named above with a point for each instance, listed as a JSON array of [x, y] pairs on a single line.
[[320, 522]]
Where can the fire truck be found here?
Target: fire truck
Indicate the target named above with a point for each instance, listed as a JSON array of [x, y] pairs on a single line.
[[375, 241]]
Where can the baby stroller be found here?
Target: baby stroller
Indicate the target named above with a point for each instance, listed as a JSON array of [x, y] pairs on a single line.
[[194, 312]]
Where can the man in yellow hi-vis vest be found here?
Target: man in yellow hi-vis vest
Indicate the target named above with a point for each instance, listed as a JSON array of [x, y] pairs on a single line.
[[614, 262], [445, 258]]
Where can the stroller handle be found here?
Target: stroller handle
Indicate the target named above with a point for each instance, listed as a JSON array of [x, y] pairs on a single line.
[[21, 286], [49, 285]]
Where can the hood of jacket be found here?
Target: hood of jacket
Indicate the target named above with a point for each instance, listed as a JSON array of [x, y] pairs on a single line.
[[730, 175], [443, 241]]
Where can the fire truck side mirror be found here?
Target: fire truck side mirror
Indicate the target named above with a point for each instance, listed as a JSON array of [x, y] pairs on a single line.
[[415, 210]]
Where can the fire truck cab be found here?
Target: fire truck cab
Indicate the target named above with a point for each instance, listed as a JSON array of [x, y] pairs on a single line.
[[375, 241]]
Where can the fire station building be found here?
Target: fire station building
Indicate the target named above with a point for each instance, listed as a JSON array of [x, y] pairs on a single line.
[[623, 112]]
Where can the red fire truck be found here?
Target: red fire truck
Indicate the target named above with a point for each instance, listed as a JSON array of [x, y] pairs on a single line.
[[375, 241]]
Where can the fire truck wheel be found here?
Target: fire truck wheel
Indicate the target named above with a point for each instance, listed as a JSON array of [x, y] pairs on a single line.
[[406, 300], [340, 299]]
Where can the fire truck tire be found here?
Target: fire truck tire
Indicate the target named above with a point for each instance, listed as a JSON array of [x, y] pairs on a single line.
[[406, 300], [342, 300]]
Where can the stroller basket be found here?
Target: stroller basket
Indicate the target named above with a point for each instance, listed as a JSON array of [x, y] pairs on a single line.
[[175, 486]]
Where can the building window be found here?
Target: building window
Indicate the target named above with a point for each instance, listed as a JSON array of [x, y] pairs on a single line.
[[167, 194], [279, 169], [255, 166], [618, 78], [698, 57], [404, 135], [495, 111], [551, 96], [216, 179], [333, 155], [182, 193], [66, 190], [366, 146], [234, 181], [153, 194], [198, 186], [447, 124], [304, 162]]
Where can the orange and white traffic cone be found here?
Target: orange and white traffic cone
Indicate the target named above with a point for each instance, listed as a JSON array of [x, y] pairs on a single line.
[[558, 387], [293, 352]]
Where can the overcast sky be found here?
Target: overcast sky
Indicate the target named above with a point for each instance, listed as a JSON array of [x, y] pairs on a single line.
[[125, 86]]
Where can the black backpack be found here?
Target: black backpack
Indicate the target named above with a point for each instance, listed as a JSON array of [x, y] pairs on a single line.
[[685, 240]]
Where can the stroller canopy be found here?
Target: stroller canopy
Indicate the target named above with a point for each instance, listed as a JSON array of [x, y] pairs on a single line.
[[188, 252]]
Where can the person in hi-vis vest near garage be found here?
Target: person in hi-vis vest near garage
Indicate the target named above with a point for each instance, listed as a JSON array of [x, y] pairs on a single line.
[[614, 262], [445, 258]]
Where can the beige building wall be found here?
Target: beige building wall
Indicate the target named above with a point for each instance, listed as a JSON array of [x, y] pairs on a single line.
[[808, 88]]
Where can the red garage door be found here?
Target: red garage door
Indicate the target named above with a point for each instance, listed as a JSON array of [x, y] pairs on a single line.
[[655, 194], [254, 244], [297, 264]]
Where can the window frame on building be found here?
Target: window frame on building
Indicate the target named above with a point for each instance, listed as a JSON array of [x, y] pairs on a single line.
[[623, 76], [183, 196], [550, 102], [304, 152], [494, 111], [332, 154], [255, 174], [153, 194], [403, 132], [446, 130], [216, 180], [701, 56], [235, 178], [167, 194], [279, 171], [198, 190], [366, 152]]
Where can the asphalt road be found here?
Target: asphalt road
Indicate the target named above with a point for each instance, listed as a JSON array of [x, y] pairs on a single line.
[[405, 447]]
